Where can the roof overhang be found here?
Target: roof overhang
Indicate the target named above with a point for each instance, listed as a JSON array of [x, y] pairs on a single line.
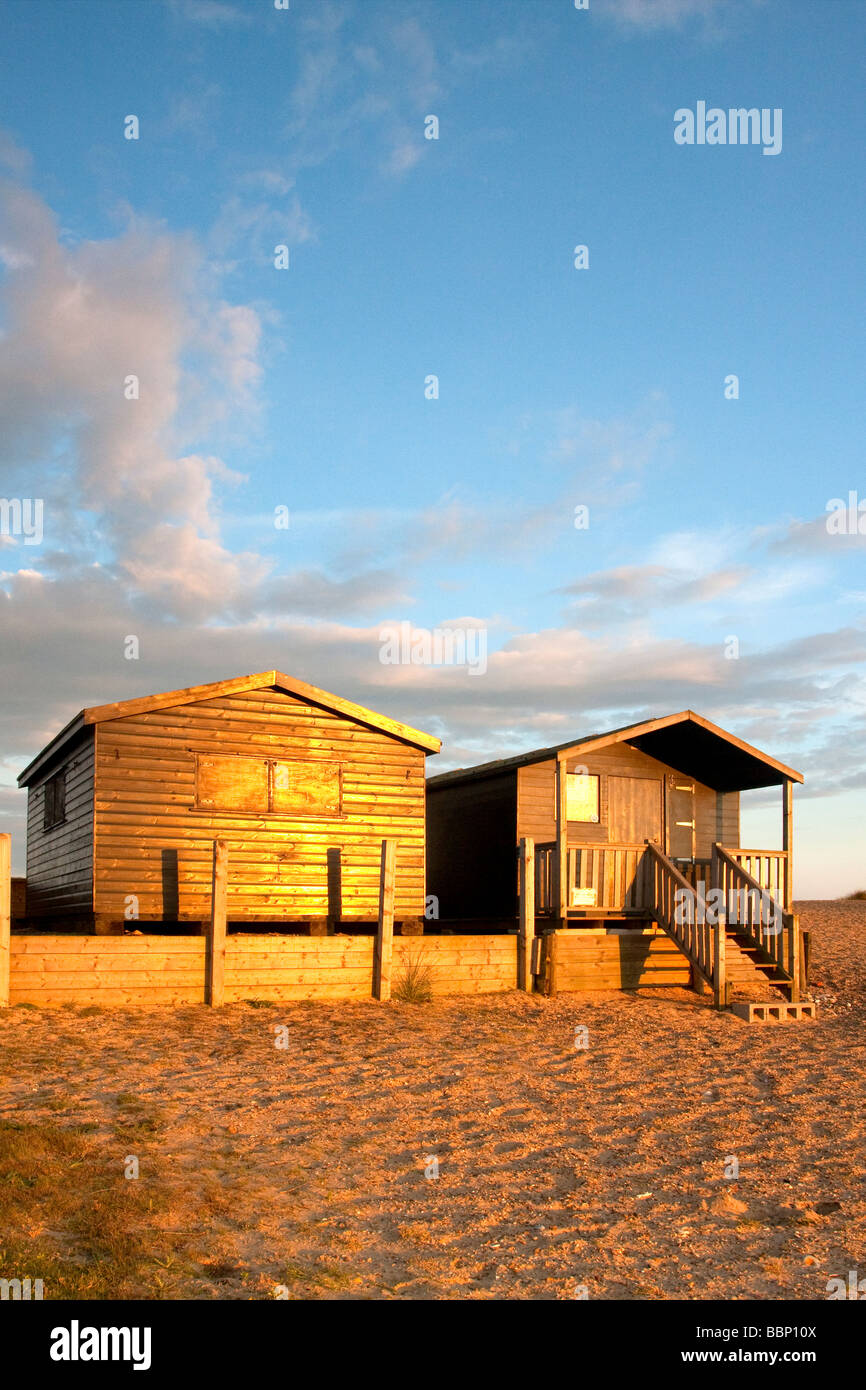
[[123, 709], [700, 749], [685, 741]]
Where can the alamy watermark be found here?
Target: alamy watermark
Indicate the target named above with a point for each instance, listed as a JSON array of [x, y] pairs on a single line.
[[736, 906], [736, 126], [21, 1289], [22, 516], [846, 518], [405, 645]]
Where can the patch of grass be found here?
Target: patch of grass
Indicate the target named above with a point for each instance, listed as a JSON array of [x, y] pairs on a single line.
[[414, 984], [70, 1218], [315, 1276], [61, 1101], [259, 1003], [139, 1120]]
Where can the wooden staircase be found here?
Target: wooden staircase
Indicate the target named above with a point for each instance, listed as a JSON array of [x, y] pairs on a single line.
[[733, 946]]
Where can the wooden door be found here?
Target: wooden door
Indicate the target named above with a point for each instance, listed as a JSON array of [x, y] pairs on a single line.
[[681, 817], [634, 810]]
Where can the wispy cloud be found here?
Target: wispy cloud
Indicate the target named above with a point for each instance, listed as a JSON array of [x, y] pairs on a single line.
[[211, 14]]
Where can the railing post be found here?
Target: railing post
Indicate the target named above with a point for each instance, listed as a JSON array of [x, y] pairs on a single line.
[[788, 841], [385, 927], [5, 917], [215, 950], [526, 929], [720, 985], [562, 842]]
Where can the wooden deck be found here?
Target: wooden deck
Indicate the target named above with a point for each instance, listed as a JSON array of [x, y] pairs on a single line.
[[727, 917]]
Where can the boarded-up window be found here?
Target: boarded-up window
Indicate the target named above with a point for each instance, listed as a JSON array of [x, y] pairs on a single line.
[[55, 801], [262, 786], [232, 784], [306, 789], [582, 796]]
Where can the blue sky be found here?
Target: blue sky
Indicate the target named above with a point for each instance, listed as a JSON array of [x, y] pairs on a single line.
[[558, 387]]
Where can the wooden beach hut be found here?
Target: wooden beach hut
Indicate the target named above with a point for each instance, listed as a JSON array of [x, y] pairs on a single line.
[[621, 833], [125, 803]]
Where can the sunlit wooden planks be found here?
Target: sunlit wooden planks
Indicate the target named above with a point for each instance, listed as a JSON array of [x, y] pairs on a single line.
[[587, 961], [153, 834]]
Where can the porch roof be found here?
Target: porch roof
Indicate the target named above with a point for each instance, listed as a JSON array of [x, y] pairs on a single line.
[[684, 741]]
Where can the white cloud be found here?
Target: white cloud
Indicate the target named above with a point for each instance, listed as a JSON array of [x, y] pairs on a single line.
[[79, 321]]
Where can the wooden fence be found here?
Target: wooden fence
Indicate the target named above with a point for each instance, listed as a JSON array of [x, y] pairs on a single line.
[[220, 968]]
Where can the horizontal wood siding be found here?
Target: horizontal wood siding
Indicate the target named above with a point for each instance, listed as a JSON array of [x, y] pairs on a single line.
[[626, 960], [471, 856], [153, 843], [717, 814], [60, 861]]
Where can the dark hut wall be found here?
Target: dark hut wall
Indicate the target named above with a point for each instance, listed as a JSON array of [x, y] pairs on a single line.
[[152, 842], [60, 860], [717, 814], [471, 859]]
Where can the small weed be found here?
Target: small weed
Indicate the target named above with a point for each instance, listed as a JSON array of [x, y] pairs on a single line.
[[414, 984]]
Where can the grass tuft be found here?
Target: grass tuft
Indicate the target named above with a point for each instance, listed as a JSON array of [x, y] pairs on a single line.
[[414, 985]]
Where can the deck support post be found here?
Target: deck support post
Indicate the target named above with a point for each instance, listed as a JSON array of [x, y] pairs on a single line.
[[385, 928], [215, 954], [5, 917], [561, 843], [794, 945], [788, 842], [526, 928], [805, 955]]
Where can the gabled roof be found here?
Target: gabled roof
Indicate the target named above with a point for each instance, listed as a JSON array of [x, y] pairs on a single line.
[[121, 709], [686, 741]]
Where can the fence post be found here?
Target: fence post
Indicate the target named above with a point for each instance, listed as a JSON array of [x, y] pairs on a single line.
[[5, 916], [385, 928], [215, 967], [526, 928]]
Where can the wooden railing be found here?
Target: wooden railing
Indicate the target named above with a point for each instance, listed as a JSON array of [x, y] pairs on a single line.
[[768, 869], [696, 871], [545, 877], [751, 907], [681, 912], [610, 877]]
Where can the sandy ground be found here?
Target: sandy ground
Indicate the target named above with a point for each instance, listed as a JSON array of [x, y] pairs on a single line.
[[558, 1167]]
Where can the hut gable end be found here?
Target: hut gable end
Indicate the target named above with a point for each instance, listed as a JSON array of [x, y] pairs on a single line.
[[291, 786]]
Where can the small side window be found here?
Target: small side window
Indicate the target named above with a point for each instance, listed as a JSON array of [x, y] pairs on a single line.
[[55, 801]]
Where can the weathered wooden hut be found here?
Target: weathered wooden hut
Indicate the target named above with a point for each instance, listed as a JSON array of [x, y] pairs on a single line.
[[619, 826], [125, 803]]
